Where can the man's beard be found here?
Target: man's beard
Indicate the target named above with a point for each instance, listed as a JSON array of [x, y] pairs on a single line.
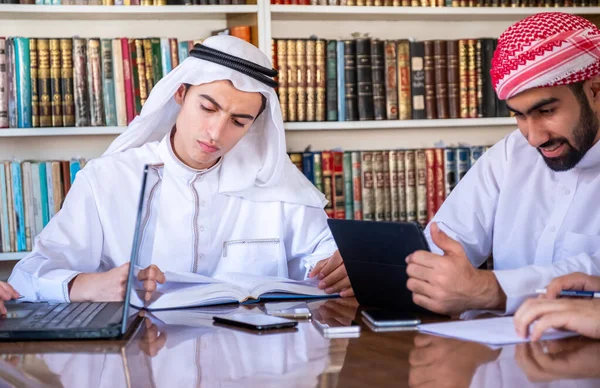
[[584, 134]]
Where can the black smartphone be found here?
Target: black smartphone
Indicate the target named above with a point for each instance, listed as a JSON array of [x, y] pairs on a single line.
[[255, 321], [388, 318]]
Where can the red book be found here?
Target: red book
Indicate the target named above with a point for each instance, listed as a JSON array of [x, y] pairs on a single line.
[[327, 167], [339, 200], [431, 189], [440, 180], [128, 80]]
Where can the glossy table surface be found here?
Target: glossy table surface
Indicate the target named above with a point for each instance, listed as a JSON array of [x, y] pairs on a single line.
[[184, 349]]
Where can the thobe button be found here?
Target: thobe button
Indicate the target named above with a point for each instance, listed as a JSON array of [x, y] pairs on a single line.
[[566, 191], [201, 256], [202, 203], [202, 228]]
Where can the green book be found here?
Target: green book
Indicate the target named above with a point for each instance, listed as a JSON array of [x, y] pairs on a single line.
[[108, 83], [318, 171]]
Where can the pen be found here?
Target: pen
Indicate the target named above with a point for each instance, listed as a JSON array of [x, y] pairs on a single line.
[[573, 293]]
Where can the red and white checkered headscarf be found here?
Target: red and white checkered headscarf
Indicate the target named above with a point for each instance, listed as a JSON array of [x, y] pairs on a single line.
[[545, 49]]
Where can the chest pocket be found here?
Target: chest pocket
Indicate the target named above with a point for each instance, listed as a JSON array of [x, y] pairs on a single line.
[[575, 243], [253, 256]]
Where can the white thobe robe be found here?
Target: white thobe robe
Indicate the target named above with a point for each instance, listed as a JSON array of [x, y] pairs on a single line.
[[196, 227], [538, 224]]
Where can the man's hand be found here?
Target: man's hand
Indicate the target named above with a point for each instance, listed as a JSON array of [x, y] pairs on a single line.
[[449, 284], [106, 286], [337, 312], [574, 281], [150, 276], [152, 340], [6, 293], [333, 276], [582, 316]]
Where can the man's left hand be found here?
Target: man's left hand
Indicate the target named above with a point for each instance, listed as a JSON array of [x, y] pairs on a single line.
[[333, 276], [449, 284]]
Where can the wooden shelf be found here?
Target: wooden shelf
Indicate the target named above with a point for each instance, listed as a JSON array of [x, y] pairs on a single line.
[[461, 14], [60, 131], [103, 12], [401, 124], [12, 256]]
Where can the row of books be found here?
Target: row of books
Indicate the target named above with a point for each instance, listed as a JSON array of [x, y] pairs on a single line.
[[31, 193], [372, 79], [84, 82], [125, 2], [444, 3], [392, 185]]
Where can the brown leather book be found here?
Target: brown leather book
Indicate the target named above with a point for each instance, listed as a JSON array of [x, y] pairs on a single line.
[[292, 80], [95, 83], [242, 32], [379, 174], [479, 77], [440, 180], [431, 193], [147, 43], [339, 198], [472, 83], [378, 76], [411, 186], [80, 81], [311, 80], [321, 80], [58, 192], [401, 177], [421, 178], [35, 103], [387, 186], [430, 81], [282, 90], [453, 79], [56, 96], [327, 164], [66, 177], [393, 177], [441, 78], [463, 78], [66, 79], [301, 78], [391, 80], [405, 105]]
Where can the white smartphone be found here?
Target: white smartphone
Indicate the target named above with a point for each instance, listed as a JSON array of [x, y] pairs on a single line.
[[389, 318], [297, 310]]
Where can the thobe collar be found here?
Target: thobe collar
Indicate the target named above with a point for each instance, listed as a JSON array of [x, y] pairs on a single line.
[[176, 166], [591, 158]]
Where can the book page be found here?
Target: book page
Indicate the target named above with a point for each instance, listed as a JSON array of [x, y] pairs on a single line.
[[260, 285]]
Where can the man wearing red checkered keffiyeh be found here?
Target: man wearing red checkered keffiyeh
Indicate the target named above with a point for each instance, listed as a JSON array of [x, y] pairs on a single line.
[[531, 200]]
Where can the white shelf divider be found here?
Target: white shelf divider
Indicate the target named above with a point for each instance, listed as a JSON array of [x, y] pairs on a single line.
[[401, 124], [11, 256], [327, 12], [60, 131], [104, 12]]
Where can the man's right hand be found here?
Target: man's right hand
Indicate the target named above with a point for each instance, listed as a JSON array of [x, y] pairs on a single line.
[[574, 281], [106, 286]]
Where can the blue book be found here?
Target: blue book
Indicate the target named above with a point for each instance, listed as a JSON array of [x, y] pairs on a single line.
[[50, 187], [44, 193], [23, 85], [450, 169], [341, 82], [18, 205], [476, 153], [4, 215], [183, 51], [108, 83], [348, 185], [165, 53], [463, 162], [308, 166], [74, 167]]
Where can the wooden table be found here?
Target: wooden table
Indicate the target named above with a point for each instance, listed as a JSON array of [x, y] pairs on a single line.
[[184, 349]]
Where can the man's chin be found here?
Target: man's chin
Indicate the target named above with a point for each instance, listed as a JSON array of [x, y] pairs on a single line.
[[561, 163]]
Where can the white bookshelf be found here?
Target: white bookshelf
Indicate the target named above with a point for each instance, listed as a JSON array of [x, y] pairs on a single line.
[[13, 256], [61, 131], [401, 124]]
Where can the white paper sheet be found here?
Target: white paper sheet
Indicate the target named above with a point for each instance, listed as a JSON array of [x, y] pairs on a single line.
[[492, 331]]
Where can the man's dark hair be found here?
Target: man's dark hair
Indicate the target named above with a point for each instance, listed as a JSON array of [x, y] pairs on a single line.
[[579, 92], [263, 104]]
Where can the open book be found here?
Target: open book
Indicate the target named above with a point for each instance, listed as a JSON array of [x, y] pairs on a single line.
[[182, 290]]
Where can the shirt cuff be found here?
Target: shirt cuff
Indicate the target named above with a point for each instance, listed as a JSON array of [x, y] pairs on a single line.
[[54, 286]]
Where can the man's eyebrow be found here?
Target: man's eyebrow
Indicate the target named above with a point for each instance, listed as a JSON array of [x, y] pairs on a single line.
[[536, 106], [216, 104]]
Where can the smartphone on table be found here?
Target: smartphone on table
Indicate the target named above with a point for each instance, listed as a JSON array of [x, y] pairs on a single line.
[[390, 318], [255, 321]]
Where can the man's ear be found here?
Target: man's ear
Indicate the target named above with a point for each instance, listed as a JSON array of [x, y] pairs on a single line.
[[180, 94], [595, 86]]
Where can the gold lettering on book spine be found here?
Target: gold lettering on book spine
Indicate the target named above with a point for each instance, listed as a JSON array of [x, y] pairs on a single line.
[[311, 103], [321, 80], [282, 91], [57, 119], [35, 103], [45, 103], [301, 78], [66, 75], [292, 76], [463, 76]]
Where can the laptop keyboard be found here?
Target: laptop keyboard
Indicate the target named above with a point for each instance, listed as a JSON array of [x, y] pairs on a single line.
[[63, 316]]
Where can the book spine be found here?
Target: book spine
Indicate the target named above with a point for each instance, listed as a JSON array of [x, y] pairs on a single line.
[[391, 80], [23, 85], [339, 201], [449, 170], [55, 83], [379, 173], [463, 78], [332, 92], [296, 159], [183, 51], [27, 203], [44, 194], [341, 82], [356, 185], [472, 74], [141, 69], [387, 186], [401, 178], [321, 80], [80, 83], [157, 69], [489, 95], [292, 81], [165, 52], [45, 107], [135, 77], [174, 53], [282, 91], [301, 79], [441, 78], [57, 187], [364, 78], [479, 77], [462, 157], [430, 165], [35, 103], [36, 189], [311, 80], [17, 185], [308, 166], [318, 170], [327, 163], [393, 177], [66, 79], [440, 178], [368, 185], [350, 81], [3, 86], [13, 120], [430, 81], [454, 107], [120, 103], [5, 224], [95, 83], [66, 177], [348, 190], [12, 216], [108, 83], [411, 186], [378, 75], [49, 184], [421, 176], [417, 53]]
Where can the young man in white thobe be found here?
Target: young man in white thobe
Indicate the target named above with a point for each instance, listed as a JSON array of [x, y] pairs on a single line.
[[215, 138], [532, 199]]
